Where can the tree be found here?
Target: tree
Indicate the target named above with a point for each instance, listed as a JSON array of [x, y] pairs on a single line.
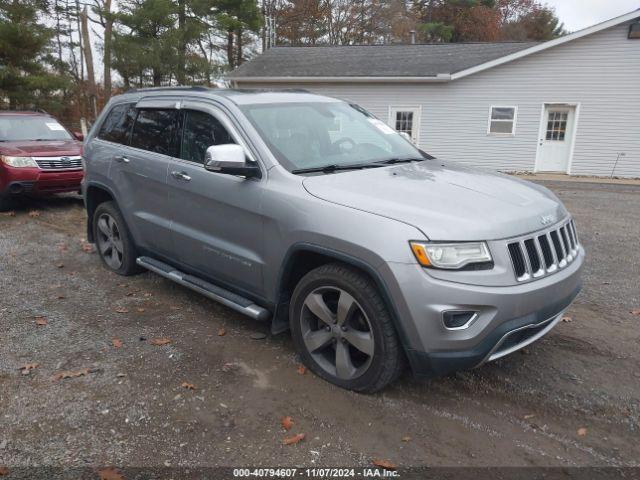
[[144, 43], [26, 77], [105, 18], [540, 24]]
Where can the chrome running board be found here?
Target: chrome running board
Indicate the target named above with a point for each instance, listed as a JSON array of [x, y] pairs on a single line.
[[209, 290]]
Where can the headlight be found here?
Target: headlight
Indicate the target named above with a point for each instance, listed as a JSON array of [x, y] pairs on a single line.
[[450, 256], [18, 162]]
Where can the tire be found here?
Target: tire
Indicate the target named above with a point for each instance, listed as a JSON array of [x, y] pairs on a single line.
[[113, 240], [6, 203], [333, 309]]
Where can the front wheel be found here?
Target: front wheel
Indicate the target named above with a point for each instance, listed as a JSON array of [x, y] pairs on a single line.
[[6, 203], [113, 240], [343, 330]]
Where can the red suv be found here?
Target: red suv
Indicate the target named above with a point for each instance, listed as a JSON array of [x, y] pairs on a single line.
[[38, 156]]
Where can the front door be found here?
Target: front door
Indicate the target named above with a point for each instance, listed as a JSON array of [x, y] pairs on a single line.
[[557, 130], [217, 224]]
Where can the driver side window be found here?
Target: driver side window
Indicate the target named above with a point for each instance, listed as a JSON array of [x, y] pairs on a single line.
[[201, 131]]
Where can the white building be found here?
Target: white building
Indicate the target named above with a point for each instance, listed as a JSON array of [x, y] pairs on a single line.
[[570, 105]]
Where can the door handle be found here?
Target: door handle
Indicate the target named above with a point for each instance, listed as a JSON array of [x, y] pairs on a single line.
[[121, 159], [181, 176]]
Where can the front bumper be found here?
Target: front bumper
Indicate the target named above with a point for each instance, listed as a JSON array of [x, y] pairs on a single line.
[[509, 318], [19, 181]]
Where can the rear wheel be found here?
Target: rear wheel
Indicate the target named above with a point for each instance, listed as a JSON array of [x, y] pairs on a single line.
[[343, 330], [113, 240]]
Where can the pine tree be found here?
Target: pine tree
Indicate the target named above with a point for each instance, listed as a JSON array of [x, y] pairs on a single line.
[[26, 79]]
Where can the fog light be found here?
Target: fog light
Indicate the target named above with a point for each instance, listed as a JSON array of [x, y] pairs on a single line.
[[458, 320]]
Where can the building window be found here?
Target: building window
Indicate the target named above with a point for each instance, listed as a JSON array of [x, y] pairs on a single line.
[[406, 120], [502, 120]]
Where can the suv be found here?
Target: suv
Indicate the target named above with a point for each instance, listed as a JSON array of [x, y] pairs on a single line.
[[38, 156], [312, 214]]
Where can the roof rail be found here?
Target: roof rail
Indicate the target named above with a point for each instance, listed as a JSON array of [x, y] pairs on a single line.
[[179, 88]]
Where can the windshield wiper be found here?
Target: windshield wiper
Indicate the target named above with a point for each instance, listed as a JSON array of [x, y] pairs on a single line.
[[336, 168], [393, 161]]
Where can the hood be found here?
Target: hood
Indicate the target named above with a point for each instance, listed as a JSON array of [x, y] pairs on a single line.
[[447, 202], [49, 148]]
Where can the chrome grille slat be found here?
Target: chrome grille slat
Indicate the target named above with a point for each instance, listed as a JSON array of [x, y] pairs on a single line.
[[545, 252], [59, 163]]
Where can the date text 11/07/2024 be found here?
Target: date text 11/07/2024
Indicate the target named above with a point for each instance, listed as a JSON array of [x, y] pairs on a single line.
[[315, 473]]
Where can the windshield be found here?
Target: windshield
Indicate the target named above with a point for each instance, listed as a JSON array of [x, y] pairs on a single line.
[[25, 127], [315, 135]]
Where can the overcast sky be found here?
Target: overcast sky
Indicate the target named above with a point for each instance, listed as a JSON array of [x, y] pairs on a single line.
[[578, 14]]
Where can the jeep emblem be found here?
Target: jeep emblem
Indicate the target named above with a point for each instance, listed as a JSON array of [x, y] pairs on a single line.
[[547, 219]]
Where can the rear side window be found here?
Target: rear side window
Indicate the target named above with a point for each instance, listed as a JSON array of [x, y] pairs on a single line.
[[201, 131], [117, 125], [155, 131]]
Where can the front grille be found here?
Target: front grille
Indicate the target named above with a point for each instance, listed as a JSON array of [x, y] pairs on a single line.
[[59, 163], [544, 253]]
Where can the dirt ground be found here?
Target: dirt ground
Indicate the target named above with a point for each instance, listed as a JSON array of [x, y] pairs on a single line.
[[572, 399]]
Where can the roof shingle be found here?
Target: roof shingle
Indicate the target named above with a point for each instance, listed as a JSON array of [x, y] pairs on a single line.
[[426, 60]]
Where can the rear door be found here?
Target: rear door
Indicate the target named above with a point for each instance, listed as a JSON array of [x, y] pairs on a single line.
[[140, 173], [217, 225]]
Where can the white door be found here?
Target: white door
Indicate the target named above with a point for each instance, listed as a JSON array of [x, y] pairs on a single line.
[[557, 130], [406, 120]]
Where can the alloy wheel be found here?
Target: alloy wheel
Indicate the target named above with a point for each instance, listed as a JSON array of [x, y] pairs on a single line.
[[337, 332], [109, 241]]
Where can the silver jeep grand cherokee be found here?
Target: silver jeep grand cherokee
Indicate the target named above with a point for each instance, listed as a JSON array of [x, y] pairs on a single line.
[[312, 214]]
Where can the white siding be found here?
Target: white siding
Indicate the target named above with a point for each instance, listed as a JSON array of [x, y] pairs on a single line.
[[600, 72]]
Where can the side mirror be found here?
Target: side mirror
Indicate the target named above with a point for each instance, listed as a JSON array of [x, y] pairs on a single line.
[[229, 159], [79, 136]]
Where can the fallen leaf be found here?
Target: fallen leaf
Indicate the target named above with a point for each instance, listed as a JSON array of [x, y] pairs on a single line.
[[188, 386], [636, 312], [295, 439], [34, 213], [174, 307], [117, 343], [386, 464], [222, 332], [61, 297], [406, 439], [71, 374], [528, 417], [140, 310], [302, 369], [60, 265], [27, 367], [160, 341], [148, 294], [287, 423], [110, 474], [87, 247], [582, 432], [567, 319], [4, 471], [41, 321], [122, 310], [9, 214]]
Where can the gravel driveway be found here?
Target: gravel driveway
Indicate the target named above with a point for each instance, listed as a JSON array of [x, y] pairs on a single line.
[[216, 392]]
